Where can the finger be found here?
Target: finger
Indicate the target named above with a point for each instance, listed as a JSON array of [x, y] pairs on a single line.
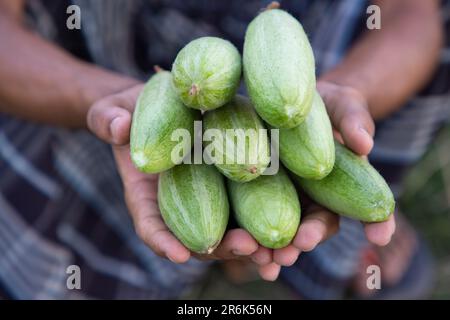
[[286, 256], [140, 196], [128, 172], [354, 132], [338, 136], [350, 115], [380, 233], [151, 229], [262, 256], [236, 243], [269, 272], [110, 123], [318, 225], [110, 118], [127, 99]]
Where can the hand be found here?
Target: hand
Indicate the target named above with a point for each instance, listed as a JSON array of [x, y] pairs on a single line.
[[354, 127], [349, 114], [110, 120]]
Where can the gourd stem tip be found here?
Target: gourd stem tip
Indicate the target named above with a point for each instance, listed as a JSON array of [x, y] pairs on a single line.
[[194, 90], [273, 5]]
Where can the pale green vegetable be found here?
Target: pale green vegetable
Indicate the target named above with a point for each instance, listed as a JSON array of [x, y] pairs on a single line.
[[193, 202], [308, 149], [207, 72], [268, 208], [244, 153], [353, 189], [158, 113], [279, 69]]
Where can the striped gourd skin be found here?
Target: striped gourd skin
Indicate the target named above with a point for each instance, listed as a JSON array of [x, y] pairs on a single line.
[[239, 114], [193, 202], [207, 72], [308, 149], [158, 113], [279, 69], [353, 189], [268, 208]]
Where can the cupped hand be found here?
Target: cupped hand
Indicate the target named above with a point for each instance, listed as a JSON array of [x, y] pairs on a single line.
[[354, 127], [110, 119]]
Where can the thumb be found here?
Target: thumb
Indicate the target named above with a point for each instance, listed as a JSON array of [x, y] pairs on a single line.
[[349, 114], [356, 128], [110, 123]]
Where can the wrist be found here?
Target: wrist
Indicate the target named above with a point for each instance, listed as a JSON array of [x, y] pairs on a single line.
[[96, 84], [347, 81], [339, 90]]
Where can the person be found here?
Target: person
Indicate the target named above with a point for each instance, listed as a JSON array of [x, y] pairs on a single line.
[[67, 199]]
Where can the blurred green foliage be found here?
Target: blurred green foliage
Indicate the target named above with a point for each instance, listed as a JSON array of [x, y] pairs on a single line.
[[425, 201]]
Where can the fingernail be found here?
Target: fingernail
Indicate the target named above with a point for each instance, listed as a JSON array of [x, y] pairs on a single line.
[[171, 259], [364, 130], [361, 128], [257, 260], [114, 127], [238, 253]]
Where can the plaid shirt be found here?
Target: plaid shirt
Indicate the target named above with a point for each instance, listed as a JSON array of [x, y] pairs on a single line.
[[61, 199]]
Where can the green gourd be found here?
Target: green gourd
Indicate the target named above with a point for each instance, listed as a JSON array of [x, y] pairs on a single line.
[[308, 149], [158, 113], [207, 72], [279, 69], [193, 202], [268, 208], [243, 151], [353, 189]]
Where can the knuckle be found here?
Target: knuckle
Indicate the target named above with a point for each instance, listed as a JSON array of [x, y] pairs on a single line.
[[353, 93], [92, 117]]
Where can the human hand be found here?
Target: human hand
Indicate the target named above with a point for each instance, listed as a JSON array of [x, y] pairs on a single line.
[[110, 119], [354, 127]]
